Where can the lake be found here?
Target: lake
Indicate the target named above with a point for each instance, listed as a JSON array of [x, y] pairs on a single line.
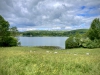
[[43, 41]]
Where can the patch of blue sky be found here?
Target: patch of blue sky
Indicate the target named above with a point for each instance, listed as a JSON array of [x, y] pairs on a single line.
[[87, 15], [93, 8], [90, 8], [83, 7]]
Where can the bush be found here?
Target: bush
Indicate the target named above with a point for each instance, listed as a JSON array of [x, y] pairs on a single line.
[[9, 42], [87, 43], [13, 41], [71, 42], [75, 42], [91, 39]]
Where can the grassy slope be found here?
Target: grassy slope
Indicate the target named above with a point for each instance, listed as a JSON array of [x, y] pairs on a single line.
[[37, 61]]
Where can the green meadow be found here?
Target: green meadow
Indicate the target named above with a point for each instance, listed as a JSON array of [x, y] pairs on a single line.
[[39, 61]]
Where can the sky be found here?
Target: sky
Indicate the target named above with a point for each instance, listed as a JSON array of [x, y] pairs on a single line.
[[50, 14]]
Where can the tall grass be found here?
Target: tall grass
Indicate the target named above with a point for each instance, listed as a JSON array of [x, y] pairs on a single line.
[[37, 61]]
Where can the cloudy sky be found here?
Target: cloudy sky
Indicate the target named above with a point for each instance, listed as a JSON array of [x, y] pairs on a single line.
[[50, 14]]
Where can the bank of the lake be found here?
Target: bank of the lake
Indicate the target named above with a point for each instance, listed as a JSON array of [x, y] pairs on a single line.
[[39, 61]]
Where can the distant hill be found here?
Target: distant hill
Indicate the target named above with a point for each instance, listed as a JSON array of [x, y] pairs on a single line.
[[79, 31], [53, 33], [73, 32]]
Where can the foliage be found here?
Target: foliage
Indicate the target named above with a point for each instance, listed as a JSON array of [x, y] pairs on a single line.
[[94, 34], [91, 39], [53, 33], [22, 61], [9, 42], [5, 36], [94, 31], [12, 41], [87, 43], [71, 42], [84, 42], [4, 27], [13, 31], [74, 41]]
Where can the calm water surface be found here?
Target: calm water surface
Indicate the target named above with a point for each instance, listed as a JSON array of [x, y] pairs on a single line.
[[43, 41]]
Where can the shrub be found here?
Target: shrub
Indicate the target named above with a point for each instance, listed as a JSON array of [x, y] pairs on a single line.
[[90, 40], [75, 42], [71, 42], [87, 43], [13, 41], [97, 43], [9, 42]]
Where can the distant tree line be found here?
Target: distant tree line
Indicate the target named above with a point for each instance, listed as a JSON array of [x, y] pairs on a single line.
[[53, 33]]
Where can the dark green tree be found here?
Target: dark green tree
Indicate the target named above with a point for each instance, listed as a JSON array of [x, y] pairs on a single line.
[[94, 31], [5, 37], [4, 27]]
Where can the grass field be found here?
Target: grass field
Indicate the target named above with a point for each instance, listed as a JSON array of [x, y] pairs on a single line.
[[38, 61]]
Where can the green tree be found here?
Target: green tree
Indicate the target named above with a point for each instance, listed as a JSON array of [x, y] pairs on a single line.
[[5, 37], [94, 31], [13, 31], [4, 27]]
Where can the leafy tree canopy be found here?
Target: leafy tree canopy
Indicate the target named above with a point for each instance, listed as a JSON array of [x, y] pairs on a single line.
[[94, 31], [13, 31], [5, 37], [4, 27]]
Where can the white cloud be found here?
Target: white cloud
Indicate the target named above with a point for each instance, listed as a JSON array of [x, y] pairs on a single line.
[[31, 29], [67, 27], [27, 29], [56, 28], [57, 5], [45, 17]]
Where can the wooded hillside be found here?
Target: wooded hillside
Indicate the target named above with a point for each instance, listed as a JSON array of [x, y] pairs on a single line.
[[53, 33]]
